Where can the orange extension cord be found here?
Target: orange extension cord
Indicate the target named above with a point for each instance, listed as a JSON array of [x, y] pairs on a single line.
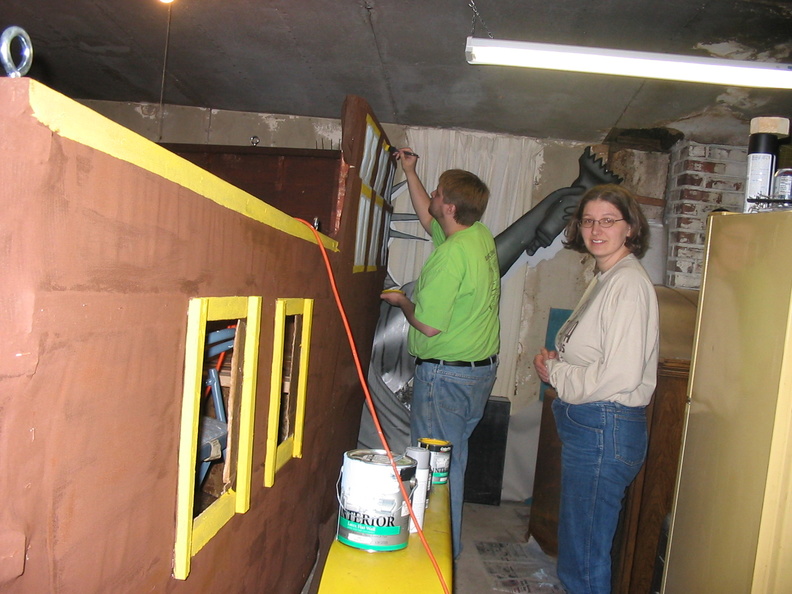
[[370, 403]]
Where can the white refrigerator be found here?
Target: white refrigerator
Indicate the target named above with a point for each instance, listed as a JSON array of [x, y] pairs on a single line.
[[731, 529]]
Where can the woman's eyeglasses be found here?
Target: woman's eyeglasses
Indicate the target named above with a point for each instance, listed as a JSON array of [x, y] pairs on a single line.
[[604, 223]]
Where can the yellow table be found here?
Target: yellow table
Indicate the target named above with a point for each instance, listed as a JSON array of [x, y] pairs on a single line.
[[349, 570]]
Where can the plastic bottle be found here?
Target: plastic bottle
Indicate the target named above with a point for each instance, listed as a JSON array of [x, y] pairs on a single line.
[[782, 185]]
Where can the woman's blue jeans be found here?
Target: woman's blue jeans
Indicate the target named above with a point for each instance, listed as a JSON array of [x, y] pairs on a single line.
[[447, 403], [603, 448]]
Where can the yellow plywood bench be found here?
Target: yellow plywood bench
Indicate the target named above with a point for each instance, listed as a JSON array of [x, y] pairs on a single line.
[[353, 571]]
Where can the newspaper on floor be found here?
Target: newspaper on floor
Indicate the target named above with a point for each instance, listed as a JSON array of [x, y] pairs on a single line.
[[519, 568]]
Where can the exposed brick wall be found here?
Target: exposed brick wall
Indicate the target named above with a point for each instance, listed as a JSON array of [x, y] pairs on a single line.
[[701, 178]]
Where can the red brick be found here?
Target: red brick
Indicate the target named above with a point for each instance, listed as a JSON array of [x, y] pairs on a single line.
[[690, 252], [690, 179], [691, 223], [727, 153], [694, 195], [724, 184], [683, 208], [703, 166], [684, 237], [684, 266], [693, 150]]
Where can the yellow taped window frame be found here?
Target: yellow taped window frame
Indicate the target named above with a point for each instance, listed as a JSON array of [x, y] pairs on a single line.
[[363, 228], [193, 533], [378, 206], [370, 148], [374, 193], [279, 453]]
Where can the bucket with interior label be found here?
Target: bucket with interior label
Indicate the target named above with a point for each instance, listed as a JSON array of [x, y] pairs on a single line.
[[439, 459], [372, 513]]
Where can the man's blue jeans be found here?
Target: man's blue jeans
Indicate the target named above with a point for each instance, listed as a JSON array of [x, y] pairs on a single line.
[[447, 403], [603, 448]]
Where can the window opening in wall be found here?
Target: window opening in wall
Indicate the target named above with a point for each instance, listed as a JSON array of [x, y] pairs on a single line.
[[222, 377], [291, 348], [292, 332], [218, 402]]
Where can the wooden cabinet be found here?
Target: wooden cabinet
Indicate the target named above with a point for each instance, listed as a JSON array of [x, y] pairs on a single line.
[[543, 520], [648, 500], [651, 494]]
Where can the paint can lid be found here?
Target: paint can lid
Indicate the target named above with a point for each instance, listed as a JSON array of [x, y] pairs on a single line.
[[432, 441], [379, 457]]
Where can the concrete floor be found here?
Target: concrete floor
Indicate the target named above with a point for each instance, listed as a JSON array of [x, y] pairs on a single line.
[[506, 523]]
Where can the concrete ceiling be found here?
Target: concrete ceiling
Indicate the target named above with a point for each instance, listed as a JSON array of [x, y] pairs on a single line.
[[407, 59]]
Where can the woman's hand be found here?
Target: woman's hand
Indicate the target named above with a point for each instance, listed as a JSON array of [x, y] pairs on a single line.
[[540, 363]]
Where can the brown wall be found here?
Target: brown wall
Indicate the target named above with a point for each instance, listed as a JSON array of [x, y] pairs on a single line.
[[99, 260]]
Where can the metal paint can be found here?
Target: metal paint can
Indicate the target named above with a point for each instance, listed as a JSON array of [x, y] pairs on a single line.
[[440, 458], [372, 514]]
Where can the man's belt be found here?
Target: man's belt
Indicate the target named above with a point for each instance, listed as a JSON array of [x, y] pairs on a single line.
[[483, 363]]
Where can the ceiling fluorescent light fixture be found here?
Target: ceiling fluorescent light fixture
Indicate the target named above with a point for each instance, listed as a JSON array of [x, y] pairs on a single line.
[[629, 63]]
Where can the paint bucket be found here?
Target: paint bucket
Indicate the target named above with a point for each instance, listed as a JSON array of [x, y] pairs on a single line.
[[372, 514], [439, 460]]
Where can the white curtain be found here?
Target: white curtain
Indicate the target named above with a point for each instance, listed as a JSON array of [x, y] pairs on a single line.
[[508, 165]]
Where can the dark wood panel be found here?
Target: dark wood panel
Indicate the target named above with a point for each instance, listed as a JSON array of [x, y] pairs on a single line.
[[543, 520], [650, 497], [303, 183]]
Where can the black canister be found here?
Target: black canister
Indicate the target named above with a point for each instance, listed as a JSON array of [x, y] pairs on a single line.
[[762, 151]]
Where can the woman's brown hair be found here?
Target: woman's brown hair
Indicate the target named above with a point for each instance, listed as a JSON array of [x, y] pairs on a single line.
[[637, 241]]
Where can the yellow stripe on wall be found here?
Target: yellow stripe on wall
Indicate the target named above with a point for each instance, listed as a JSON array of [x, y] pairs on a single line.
[[79, 123]]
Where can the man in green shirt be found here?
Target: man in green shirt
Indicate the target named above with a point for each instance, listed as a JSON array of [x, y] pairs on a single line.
[[454, 326]]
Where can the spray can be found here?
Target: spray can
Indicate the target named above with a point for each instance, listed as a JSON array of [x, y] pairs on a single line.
[[421, 492], [762, 150], [440, 458], [762, 155]]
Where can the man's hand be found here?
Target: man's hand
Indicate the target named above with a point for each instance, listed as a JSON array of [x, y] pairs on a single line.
[[418, 195], [408, 159], [397, 298]]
